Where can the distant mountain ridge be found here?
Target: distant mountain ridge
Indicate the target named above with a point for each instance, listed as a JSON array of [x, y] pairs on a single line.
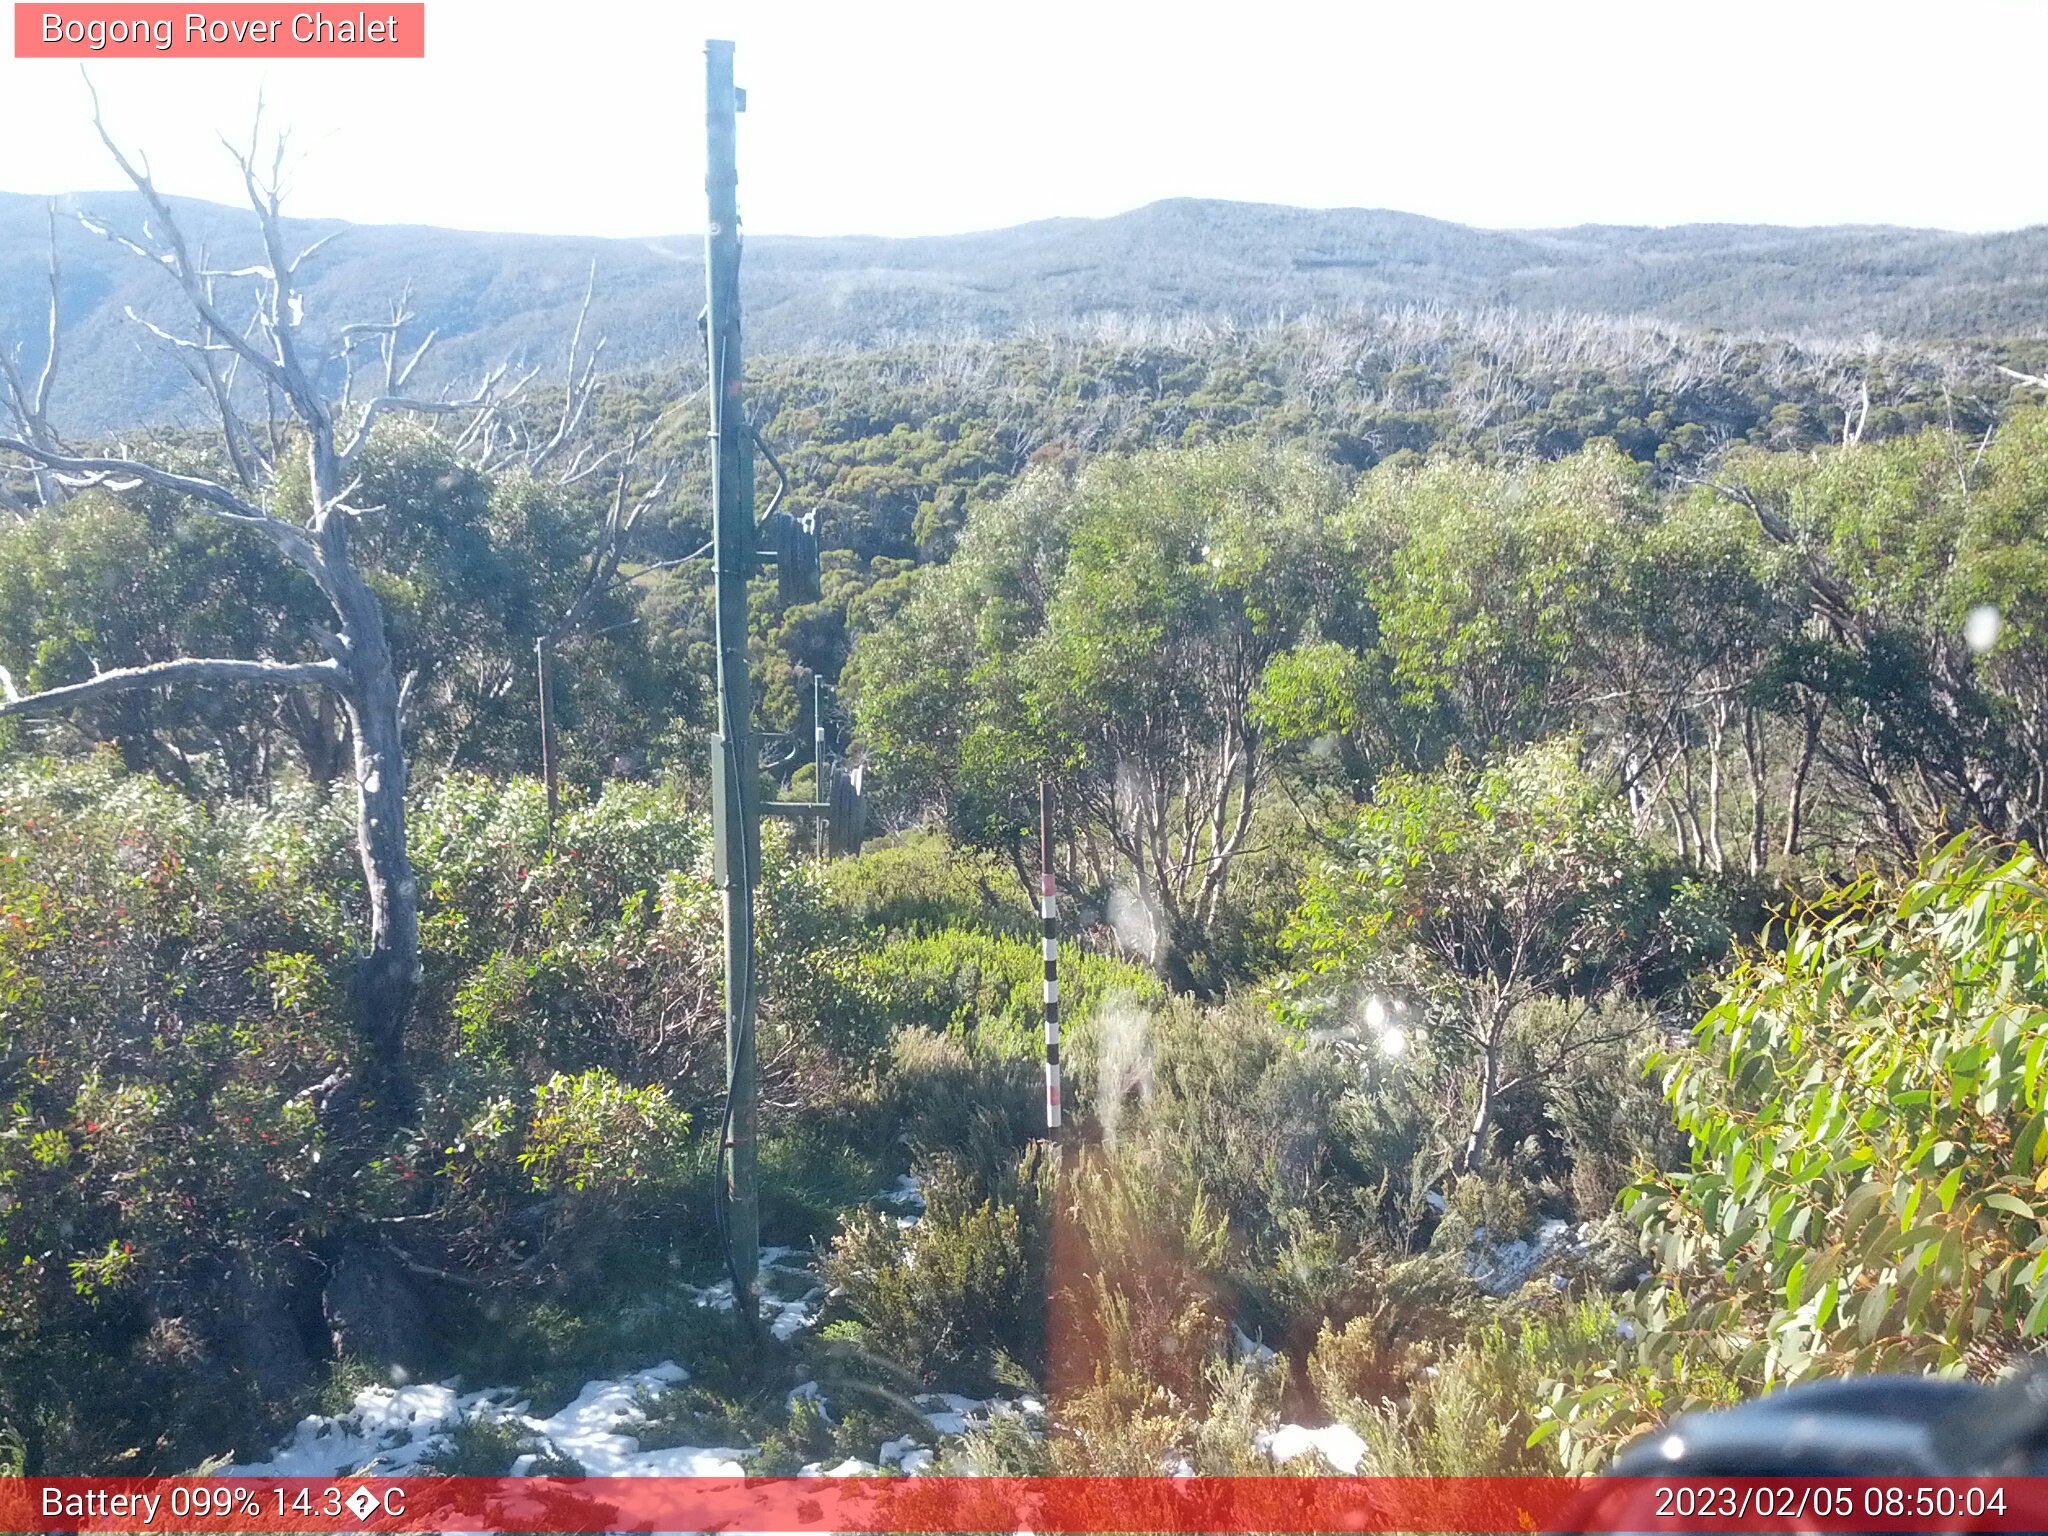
[[494, 296]]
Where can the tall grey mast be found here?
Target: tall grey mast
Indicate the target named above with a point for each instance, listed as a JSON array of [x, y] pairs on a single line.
[[735, 776]]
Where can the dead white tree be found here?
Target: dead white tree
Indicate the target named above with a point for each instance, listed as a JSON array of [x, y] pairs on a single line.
[[304, 455], [28, 405], [567, 456], [630, 499]]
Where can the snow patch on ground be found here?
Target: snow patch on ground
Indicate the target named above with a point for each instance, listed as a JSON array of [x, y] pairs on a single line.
[[394, 1429], [949, 1413], [592, 1430], [907, 1195], [907, 1190], [810, 1392], [791, 1294], [386, 1429], [1504, 1268], [1337, 1444], [907, 1455]]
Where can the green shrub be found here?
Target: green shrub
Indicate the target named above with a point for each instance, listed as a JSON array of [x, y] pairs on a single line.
[[921, 883], [988, 987], [1316, 1167], [958, 1291], [1482, 1412], [1140, 1291], [1866, 1108], [963, 1105], [174, 1032], [490, 872], [1611, 1120], [1497, 1202], [1400, 1318], [1881, 1208], [1245, 1398], [1006, 1448], [166, 1005], [594, 1135], [806, 1436], [481, 1448]]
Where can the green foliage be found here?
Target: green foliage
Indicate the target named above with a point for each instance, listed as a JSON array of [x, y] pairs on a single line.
[[990, 988], [1610, 1122], [1494, 578], [1309, 1169], [470, 569], [1314, 690], [591, 1133], [1470, 894], [1912, 536], [162, 1015], [174, 1037], [1241, 1176], [1867, 1123], [959, 1290], [1865, 1192], [1480, 1412], [963, 1104], [919, 884], [1112, 629], [107, 582], [482, 1448], [1530, 859]]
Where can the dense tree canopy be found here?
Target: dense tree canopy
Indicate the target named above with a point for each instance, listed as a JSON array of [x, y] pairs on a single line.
[[1114, 631], [1432, 704]]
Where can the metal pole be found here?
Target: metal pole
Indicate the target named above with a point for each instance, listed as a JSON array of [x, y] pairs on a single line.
[[550, 770], [735, 774], [1048, 915], [820, 790]]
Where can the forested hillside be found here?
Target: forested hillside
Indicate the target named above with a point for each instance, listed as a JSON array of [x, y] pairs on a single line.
[[1545, 813], [492, 297]]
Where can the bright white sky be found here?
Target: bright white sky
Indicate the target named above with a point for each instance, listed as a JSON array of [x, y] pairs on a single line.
[[893, 117]]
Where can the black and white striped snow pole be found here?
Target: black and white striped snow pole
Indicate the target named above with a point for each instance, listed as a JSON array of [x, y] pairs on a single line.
[[1048, 914]]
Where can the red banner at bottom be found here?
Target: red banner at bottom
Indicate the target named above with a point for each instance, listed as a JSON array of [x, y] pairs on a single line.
[[1045, 1505]]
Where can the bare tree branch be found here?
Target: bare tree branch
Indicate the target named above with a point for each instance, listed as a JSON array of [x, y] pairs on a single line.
[[48, 377], [577, 389], [480, 401], [217, 499], [313, 250], [182, 343], [31, 407], [176, 258], [185, 669], [217, 376], [1852, 435]]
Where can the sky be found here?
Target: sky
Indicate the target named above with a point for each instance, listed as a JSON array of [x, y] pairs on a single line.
[[900, 118]]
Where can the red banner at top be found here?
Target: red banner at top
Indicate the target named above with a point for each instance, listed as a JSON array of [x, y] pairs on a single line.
[[1051, 1506], [381, 30]]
